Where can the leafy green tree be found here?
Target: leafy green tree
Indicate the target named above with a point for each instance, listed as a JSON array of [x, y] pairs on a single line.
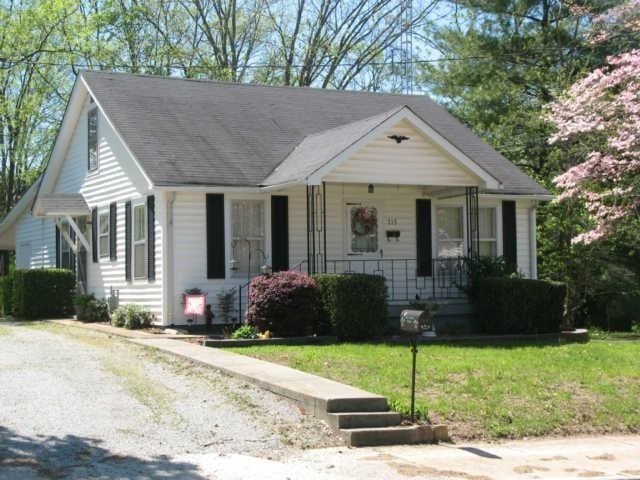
[[500, 62]]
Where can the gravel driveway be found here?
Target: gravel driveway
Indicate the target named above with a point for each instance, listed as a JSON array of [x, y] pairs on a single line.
[[79, 404]]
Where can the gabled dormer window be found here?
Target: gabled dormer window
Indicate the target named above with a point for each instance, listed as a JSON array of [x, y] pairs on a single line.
[[92, 139]]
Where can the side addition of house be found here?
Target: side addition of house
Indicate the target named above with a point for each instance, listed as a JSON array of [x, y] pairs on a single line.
[[159, 185]]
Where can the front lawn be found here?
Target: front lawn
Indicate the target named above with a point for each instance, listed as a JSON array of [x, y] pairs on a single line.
[[500, 390]]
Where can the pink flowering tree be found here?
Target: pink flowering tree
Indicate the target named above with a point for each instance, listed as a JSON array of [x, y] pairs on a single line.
[[600, 116]]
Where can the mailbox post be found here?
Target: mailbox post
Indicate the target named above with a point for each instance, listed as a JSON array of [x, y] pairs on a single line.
[[414, 322]]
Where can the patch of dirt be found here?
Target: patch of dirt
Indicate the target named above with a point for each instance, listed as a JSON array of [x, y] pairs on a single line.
[[413, 470], [605, 456], [590, 474], [630, 472], [522, 469], [555, 458]]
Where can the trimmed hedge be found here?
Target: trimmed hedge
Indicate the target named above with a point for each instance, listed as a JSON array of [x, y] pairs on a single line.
[[42, 293], [6, 294], [354, 303], [519, 305], [285, 303]]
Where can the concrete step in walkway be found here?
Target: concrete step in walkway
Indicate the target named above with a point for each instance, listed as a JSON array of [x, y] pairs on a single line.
[[362, 418], [396, 435]]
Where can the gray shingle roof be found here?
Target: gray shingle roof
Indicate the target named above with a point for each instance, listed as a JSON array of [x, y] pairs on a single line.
[[193, 132]]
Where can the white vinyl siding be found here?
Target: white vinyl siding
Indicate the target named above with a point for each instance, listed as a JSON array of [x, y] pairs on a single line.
[[118, 179], [35, 243], [417, 161]]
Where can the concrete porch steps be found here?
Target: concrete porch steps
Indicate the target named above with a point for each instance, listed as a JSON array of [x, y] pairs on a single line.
[[344, 420]]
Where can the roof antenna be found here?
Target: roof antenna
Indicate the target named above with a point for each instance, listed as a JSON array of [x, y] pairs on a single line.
[[404, 47]]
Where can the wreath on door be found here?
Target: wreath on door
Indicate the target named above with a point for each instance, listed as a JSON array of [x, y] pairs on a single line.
[[364, 220]]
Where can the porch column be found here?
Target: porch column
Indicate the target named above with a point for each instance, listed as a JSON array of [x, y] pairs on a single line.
[[316, 229], [473, 230]]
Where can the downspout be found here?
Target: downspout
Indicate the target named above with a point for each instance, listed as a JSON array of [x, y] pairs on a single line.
[[169, 263], [533, 247]]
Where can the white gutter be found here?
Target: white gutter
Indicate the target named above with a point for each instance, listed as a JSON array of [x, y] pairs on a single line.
[[206, 189]]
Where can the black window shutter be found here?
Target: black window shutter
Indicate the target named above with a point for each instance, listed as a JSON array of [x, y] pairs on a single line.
[[509, 241], [151, 237], [113, 225], [215, 235], [94, 234], [279, 233], [423, 237], [127, 240], [57, 247]]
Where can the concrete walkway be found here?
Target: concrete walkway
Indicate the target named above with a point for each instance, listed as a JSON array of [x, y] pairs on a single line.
[[606, 457], [317, 394]]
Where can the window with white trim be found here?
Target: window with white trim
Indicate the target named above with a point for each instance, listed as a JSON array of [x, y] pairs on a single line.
[[363, 228], [92, 139], [139, 240], [103, 234], [247, 235], [488, 246], [450, 231], [66, 257]]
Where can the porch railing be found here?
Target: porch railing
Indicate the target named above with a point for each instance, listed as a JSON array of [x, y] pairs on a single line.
[[448, 278]]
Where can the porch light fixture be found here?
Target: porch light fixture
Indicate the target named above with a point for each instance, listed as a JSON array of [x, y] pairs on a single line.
[[371, 188], [398, 138]]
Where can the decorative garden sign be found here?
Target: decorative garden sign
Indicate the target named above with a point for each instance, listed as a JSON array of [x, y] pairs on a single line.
[[194, 304]]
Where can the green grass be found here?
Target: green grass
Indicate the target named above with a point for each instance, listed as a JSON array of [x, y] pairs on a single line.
[[500, 390]]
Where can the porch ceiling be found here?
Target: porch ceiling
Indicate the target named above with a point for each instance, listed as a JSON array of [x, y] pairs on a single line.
[[61, 205]]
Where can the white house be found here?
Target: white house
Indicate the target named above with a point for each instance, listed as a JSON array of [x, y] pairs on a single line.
[[157, 185]]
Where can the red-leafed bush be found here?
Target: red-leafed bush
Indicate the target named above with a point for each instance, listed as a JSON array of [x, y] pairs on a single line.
[[285, 303]]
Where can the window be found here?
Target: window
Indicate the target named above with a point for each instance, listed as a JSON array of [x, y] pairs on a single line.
[[487, 232], [67, 259], [140, 241], [103, 234], [247, 235], [92, 139], [450, 231], [363, 228]]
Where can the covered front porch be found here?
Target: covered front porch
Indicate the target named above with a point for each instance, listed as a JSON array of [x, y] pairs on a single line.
[[417, 237]]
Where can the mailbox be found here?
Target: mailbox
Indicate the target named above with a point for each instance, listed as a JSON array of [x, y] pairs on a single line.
[[414, 321]]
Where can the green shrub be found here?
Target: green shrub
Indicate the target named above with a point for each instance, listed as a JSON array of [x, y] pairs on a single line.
[[622, 312], [132, 317], [245, 331], [519, 305], [6, 294], [486, 267], [91, 309], [355, 304], [285, 303], [43, 293]]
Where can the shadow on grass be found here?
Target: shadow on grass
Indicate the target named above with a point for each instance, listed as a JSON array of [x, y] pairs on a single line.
[[52, 457], [480, 343]]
